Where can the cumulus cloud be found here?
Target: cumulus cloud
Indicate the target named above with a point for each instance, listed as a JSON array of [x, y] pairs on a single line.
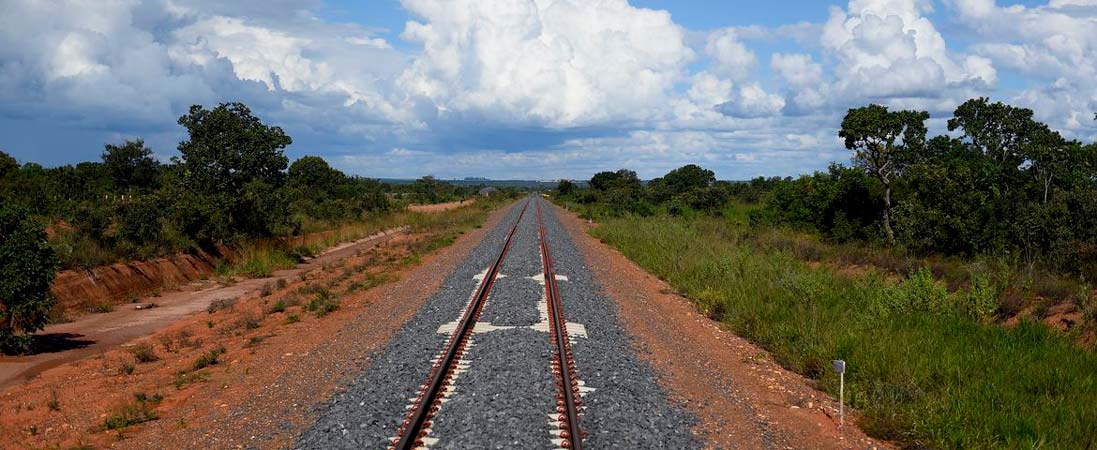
[[797, 69], [889, 48], [730, 57], [536, 88], [559, 63], [1056, 44], [752, 101]]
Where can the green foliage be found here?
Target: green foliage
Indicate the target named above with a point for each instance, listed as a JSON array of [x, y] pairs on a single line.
[[8, 164], [209, 358], [685, 180], [131, 165], [842, 203], [927, 374], [565, 187], [235, 162], [27, 268], [874, 133], [139, 411]]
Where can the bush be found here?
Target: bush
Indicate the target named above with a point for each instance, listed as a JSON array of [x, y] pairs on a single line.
[[139, 411], [27, 268]]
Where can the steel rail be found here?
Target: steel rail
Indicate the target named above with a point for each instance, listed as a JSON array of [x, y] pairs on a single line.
[[568, 400], [426, 404]]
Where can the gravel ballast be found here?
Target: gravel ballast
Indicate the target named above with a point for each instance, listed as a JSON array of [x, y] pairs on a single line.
[[504, 398]]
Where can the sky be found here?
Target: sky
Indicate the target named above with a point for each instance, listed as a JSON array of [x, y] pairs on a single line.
[[532, 89]]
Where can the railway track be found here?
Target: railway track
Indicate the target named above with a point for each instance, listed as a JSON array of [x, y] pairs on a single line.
[[414, 432]]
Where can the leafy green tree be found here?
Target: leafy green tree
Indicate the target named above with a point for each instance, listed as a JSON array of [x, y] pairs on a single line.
[[998, 130], [8, 164], [883, 143], [690, 177], [131, 164], [312, 172], [565, 187], [233, 159], [623, 178], [429, 189], [27, 268]]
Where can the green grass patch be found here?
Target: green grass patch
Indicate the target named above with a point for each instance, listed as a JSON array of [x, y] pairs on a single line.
[[258, 260], [209, 358], [323, 304], [140, 410], [924, 366]]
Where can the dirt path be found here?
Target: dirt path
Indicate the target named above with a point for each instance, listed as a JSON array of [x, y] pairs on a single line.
[[92, 334], [439, 206], [741, 396]]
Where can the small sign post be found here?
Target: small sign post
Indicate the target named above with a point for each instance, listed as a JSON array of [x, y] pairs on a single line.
[[840, 367]]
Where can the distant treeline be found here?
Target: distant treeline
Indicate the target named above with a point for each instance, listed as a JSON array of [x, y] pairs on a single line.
[[1007, 186], [231, 182]]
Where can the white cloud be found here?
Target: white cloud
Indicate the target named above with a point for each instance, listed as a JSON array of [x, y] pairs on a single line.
[[889, 48], [730, 58], [1055, 44], [535, 87], [558, 63], [753, 101], [797, 69]]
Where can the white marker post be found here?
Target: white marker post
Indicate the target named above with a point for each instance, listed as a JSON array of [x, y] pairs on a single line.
[[840, 367]]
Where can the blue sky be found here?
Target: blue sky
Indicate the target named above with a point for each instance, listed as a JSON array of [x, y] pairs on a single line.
[[533, 89]]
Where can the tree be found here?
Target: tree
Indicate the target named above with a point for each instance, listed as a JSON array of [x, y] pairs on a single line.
[[7, 164], [601, 181], [131, 164], [565, 187], [874, 134], [312, 172], [997, 129], [690, 177], [427, 188], [623, 178], [233, 159], [27, 268], [1049, 156]]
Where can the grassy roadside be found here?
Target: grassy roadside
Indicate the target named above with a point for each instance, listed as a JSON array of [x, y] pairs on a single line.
[[923, 368], [261, 258]]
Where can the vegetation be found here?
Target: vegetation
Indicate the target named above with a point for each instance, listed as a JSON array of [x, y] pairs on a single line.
[[139, 411], [232, 185], [906, 264], [27, 267], [923, 368]]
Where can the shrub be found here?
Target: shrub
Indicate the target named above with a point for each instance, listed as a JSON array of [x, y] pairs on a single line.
[[209, 358], [27, 268], [144, 353], [138, 411], [323, 304]]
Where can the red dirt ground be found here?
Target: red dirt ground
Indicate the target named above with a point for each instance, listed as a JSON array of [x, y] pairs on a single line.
[[261, 391]]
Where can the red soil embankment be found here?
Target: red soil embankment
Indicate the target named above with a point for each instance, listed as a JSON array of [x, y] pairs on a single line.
[[79, 289]]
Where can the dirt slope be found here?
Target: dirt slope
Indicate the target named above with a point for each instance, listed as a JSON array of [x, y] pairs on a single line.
[[271, 364]]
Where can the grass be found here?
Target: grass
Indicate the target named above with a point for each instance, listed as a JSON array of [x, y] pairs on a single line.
[[144, 353], [138, 411], [209, 358], [183, 378], [258, 259], [323, 304], [923, 367]]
